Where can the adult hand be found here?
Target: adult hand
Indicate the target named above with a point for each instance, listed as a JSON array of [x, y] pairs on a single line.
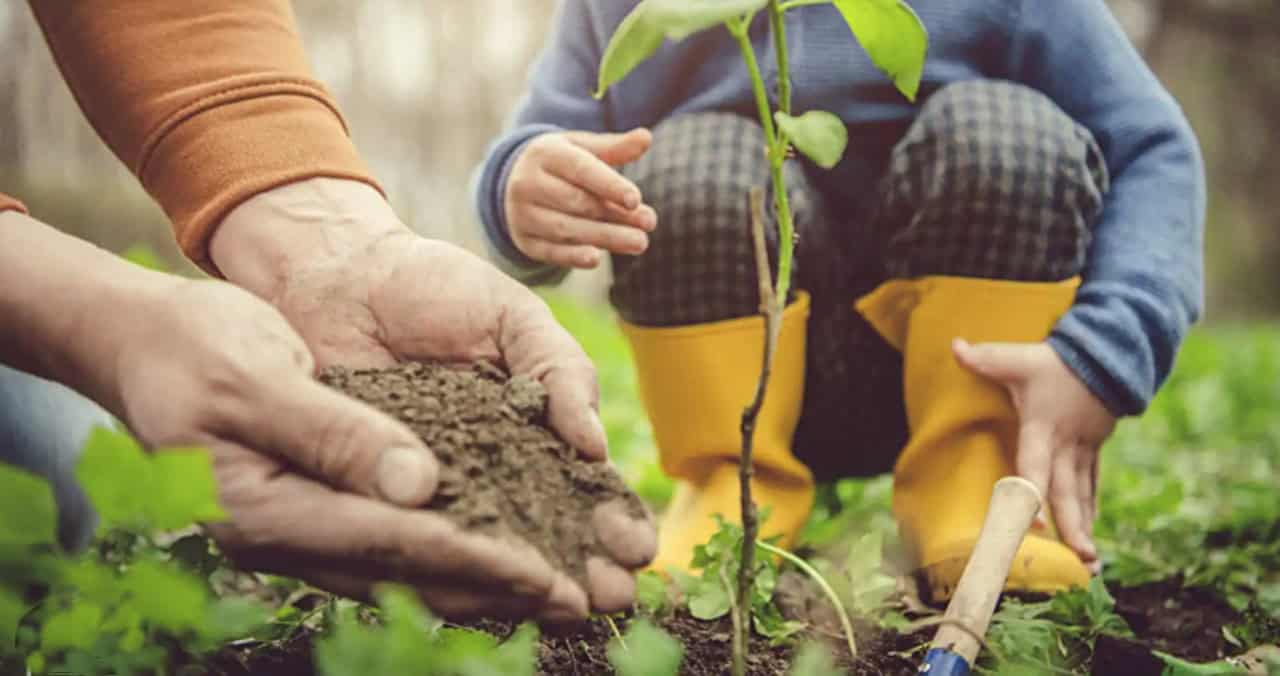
[[565, 201], [364, 291], [317, 485], [1062, 427]]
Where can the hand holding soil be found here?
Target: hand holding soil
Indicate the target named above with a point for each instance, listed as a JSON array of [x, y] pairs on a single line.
[[365, 292], [565, 200], [318, 486]]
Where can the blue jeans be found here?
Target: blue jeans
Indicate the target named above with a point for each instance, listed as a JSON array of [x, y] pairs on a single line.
[[43, 426]]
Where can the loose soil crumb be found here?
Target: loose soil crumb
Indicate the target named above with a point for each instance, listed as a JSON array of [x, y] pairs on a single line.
[[503, 471]]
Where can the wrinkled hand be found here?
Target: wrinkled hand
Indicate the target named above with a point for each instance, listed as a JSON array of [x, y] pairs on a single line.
[[364, 291], [565, 201], [1062, 428], [317, 485]]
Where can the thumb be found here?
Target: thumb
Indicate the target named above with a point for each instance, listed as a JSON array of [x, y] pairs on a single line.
[[341, 441], [613, 149], [1004, 363]]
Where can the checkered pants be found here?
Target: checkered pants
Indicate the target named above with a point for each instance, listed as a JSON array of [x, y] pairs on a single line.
[[991, 180]]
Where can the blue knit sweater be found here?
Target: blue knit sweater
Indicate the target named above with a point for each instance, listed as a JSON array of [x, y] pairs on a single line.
[[1143, 284]]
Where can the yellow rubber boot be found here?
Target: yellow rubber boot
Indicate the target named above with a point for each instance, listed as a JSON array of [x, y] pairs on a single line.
[[694, 383], [964, 429]]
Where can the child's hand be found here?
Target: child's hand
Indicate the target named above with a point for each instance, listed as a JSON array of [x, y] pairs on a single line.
[[1062, 429], [565, 201]]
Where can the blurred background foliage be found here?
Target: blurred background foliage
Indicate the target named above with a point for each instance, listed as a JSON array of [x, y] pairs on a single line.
[[427, 85]]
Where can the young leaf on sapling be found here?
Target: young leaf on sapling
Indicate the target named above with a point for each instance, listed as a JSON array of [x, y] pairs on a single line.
[[892, 36], [652, 22], [648, 651], [820, 135]]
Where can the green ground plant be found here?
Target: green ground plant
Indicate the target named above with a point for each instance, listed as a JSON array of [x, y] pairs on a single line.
[[130, 604], [892, 36]]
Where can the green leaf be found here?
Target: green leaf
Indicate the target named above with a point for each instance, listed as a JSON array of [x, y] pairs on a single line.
[[75, 627], [892, 36], [649, 651], [27, 512], [116, 475], [651, 592], [710, 600], [820, 135], [165, 596], [185, 491], [1174, 666], [814, 659], [136, 491], [643, 31], [518, 655], [11, 611], [230, 618]]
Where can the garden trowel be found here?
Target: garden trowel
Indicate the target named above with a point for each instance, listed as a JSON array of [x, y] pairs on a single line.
[[1014, 504]]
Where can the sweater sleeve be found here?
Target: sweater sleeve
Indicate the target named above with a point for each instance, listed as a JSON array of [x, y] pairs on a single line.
[[1143, 284], [559, 97], [208, 102], [8, 203]]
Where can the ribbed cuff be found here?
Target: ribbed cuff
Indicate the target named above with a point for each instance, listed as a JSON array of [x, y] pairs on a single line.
[[1120, 398], [241, 143]]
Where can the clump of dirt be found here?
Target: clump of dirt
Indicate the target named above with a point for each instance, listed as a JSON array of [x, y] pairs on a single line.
[[504, 473]]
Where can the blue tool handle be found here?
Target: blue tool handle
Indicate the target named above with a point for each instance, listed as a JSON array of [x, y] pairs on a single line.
[[940, 662]]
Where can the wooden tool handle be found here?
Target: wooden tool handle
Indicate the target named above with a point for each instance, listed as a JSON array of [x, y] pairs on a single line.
[[1014, 504]]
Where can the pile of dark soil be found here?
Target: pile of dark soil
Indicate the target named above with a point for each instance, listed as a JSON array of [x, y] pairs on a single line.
[[503, 471]]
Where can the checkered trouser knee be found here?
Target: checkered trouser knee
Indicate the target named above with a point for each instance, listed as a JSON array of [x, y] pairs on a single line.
[[991, 180]]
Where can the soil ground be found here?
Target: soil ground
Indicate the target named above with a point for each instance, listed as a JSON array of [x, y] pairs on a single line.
[[506, 474], [1187, 623]]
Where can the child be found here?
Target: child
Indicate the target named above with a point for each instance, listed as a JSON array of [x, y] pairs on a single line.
[[1043, 200]]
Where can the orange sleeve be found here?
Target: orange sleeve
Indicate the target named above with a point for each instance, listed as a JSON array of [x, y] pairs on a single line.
[[208, 102], [7, 203]]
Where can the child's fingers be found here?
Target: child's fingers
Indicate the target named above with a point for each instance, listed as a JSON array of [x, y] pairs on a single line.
[[558, 194], [1035, 452], [583, 169], [615, 149], [643, 217], [561, 228], [563, 255], [1087, 487], [1067, 505]]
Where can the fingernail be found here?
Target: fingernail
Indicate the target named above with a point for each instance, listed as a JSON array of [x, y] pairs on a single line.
[[404, 476], [632, 200]]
